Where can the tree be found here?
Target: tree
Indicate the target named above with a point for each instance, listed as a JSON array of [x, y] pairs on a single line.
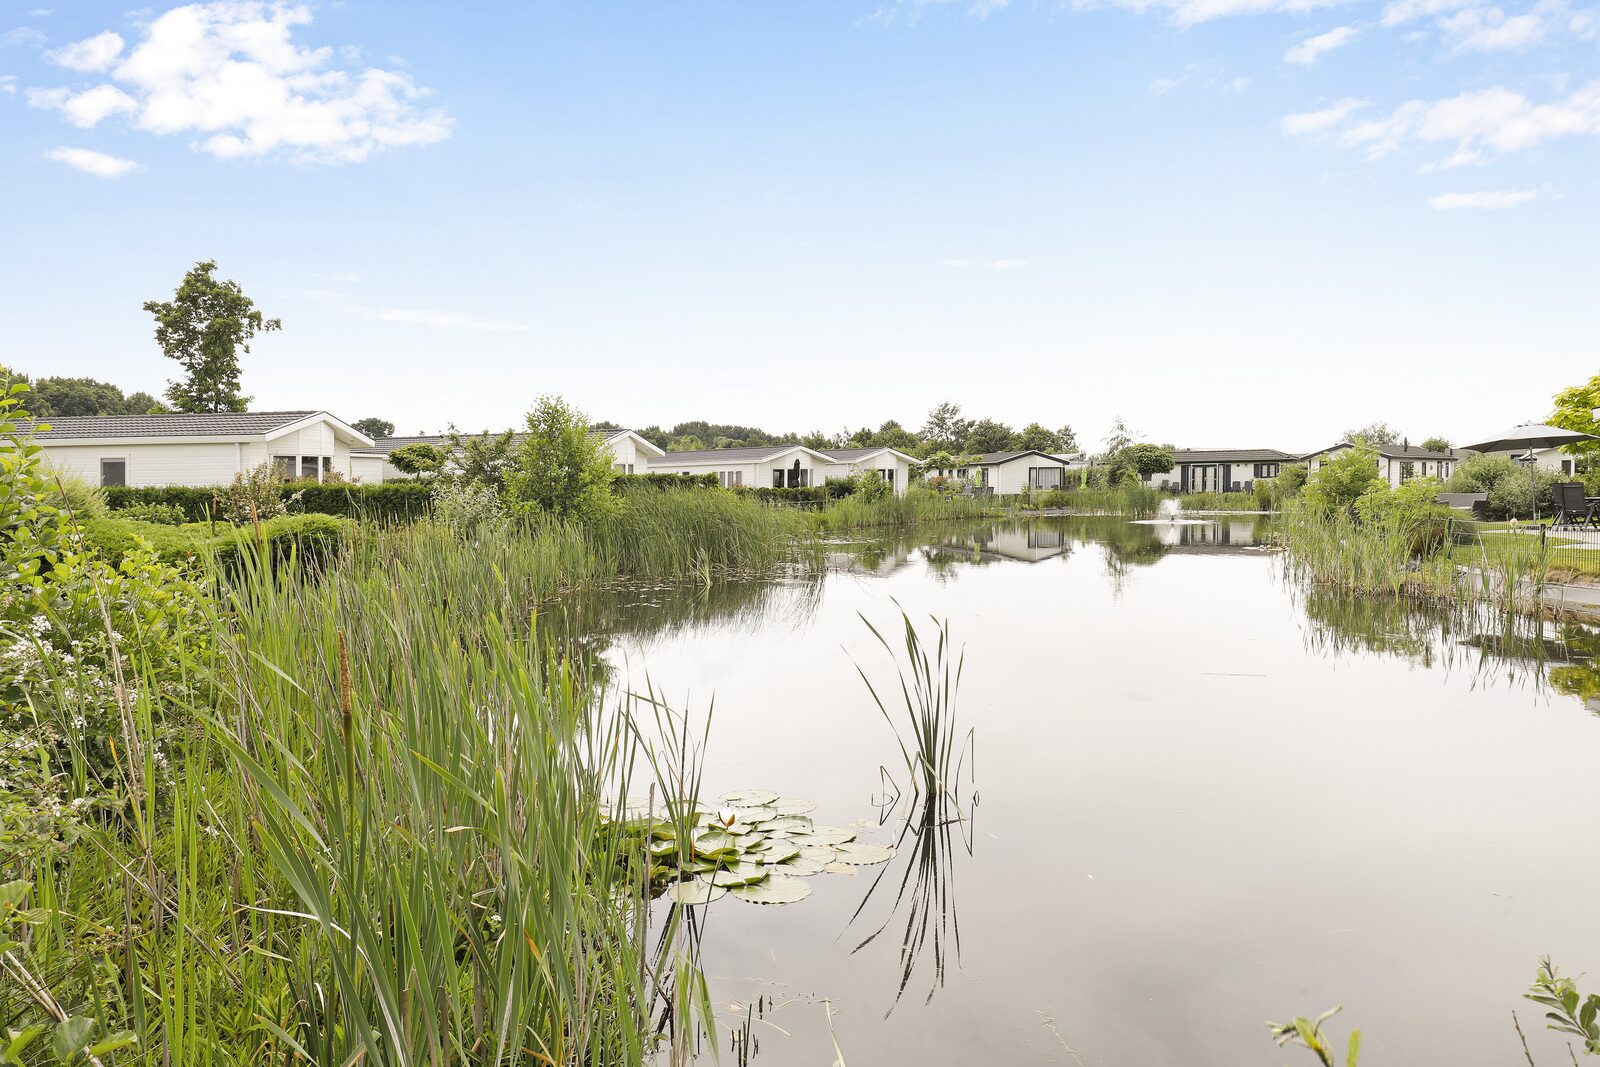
[[1068, 439], [1339, 482], [203, 328], [374, 427], [987, 435], [558, 468], [420, 458], [685, 443], [1036, 436], [945, 430], [1378, 434], [1144, 460], [892, 435], [1437, 444], [480, 459], [59, 397], [1575, 410], [1118, 438]]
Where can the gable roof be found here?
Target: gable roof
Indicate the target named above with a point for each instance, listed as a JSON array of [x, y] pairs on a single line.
[[229, 425], [991, 459], [749, 454], [382, 446], [850, 455], [1231, 455], [1394, 451]]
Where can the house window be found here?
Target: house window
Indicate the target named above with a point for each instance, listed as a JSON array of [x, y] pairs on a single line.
[[113, 472], [1408, 470], [1044, 477], [308, 468], [283, 466], [887, 474], [777, 478], [1266, 470], [327, 466], [730, 479]]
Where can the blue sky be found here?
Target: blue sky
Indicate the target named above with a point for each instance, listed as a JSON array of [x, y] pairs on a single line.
[[1231, 222]]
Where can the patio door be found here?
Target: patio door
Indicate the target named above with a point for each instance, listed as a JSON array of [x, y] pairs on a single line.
[[1203, 478]]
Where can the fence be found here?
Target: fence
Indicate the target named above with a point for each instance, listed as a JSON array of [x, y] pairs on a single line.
[[1557, 551]]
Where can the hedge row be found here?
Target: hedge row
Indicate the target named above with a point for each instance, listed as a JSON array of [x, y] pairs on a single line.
[[811, 494], [313, 537], [666, 481], [391, 500]]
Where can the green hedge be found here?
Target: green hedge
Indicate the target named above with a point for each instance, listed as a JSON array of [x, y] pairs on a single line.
[[665, 481], [391, 500], [811, 494], [313, 537]]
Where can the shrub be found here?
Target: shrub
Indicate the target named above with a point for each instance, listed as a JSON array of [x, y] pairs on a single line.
[[810, 494], [870, 486], [159, 514], [557, 468], [1340, 481], [628, 482], [1411, 510], [466, 508], [1507, 483], [255, 495], [388, 500], [420, 458], [78, 498]]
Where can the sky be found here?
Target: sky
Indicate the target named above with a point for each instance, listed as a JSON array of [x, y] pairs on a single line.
[[1232, 223]]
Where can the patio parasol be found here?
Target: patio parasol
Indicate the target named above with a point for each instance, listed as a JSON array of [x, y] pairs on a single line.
[[1531, 435]]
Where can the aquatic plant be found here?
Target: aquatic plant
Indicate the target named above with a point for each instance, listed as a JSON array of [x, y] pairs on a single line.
[[1308, 1034], [929, 683], [1570, 1013]]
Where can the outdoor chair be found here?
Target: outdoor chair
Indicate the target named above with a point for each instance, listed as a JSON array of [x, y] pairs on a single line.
[[1572, 509], [1475, 504]]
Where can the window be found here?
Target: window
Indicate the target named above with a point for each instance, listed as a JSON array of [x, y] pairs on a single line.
[[1266, 470], [327, 466], [283, 466], [113, 472], [777, 478], [888, 475], [729, 479], [1408, 470], [308, 467], [1044, 477]]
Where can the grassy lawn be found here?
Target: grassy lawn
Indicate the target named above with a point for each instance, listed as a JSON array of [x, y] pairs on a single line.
[[1565, 555]]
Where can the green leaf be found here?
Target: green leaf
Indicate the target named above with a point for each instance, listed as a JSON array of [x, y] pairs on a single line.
[[71, 1035], [695, 892], [113, 1042], [792, 806], [749, 798], [12, 894], [739, 874], [862, 855], [1354, 1055], [17, 1041]]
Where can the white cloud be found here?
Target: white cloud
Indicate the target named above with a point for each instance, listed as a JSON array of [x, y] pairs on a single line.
[[447, 320], [1481, 123], [1485, 199], [982, 9], [1238, 85], [23, 37], [90, 162], [1488, 29], [1312, 49], [1311, 123], [1163, 86], [1194, 12], [96, 53], [230, 73], [84, 109], [1401, 11], [8, 84]]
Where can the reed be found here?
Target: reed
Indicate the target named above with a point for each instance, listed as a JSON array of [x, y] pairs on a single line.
[[1134, 500], [929, 679], [914, 507]]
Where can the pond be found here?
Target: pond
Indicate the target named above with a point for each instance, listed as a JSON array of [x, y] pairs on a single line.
[[1203, 798]]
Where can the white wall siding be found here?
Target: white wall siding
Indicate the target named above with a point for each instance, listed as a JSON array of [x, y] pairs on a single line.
[[368, 470], [149, 464]]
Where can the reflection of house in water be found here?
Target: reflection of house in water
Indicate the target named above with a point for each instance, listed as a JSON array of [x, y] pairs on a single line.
[[1027, 544], [1212, 536]]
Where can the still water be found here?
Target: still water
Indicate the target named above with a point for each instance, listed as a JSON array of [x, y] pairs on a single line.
[[1203, 798]]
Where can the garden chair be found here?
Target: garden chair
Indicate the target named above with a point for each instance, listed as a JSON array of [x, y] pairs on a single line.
[[1571, 507]]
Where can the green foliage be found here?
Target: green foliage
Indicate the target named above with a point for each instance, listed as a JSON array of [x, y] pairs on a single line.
[[76, 498], [945, 430], [1374, 435], [1339, 481], [32, 528], [627, 482], [557, 468], [1569, 1012], [1308, 1034], [1510, 485], [482, 459], [1038, 437], [159, 514], [1575, 408], [61, 397], [466, 507], [203, 327], [313, 537], [420, 458], [987, 435], [1436, 444], [870, 486], [255, 495], [1138, 462], [374, 427], [1412, 510], [385, 501]]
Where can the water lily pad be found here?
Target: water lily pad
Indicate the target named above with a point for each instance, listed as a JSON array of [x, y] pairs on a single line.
[[775, 889], [801, 867], [753, 816], [749, 841], [818, 853], [786, 823], [713, 841], [739, 874], [775, 851], [696, 892], [791, 806], [861, 855], [825, 835], [752, 798], [839, 868]]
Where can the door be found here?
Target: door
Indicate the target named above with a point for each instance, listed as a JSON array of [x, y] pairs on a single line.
[[1203, 478]]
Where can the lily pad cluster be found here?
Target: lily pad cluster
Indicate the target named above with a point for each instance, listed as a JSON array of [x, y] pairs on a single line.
[[758, 847]]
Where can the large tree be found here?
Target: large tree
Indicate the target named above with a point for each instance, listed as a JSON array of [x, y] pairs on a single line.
[[203, 327], [1038, 437], [945, 430], [1378, 434], [987, 435], [374, 427], [60, 397]]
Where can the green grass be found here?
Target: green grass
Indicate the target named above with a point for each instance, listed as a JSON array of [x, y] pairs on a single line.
[[914, 507], [1135, 501]]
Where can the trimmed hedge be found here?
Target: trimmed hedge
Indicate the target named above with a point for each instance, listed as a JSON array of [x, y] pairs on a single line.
[[391, 500], [309, 537], [811, 494], [665, 481]]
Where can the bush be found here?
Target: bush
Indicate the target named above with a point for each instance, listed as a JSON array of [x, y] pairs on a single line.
[[387, 501], [1507, 483], [314, 537], [159, 514], [78, 498], [466, 508], [420, 458], [627, 482], [255, 495], [112, 539], [811, 494], [1411, 510], [1339, 482]]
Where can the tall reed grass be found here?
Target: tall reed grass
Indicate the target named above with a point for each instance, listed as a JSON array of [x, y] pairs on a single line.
[[914, 507], [1135, 501]]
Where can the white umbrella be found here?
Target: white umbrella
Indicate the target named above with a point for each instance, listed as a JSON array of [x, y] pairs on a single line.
[[1531, 435]]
